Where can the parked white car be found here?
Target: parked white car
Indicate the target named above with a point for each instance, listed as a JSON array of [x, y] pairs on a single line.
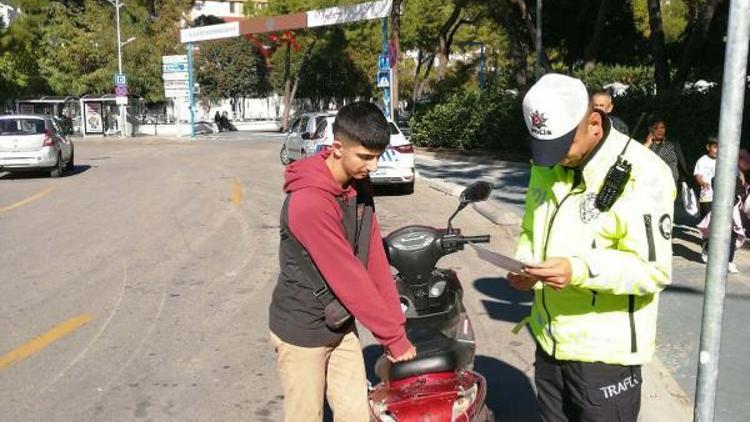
[[395, 166], [34, 142], [297, 143]]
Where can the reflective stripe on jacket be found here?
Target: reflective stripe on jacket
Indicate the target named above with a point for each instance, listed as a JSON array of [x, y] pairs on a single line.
[[621, 259]]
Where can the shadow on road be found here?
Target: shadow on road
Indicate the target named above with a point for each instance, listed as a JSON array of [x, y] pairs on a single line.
[[390, 190], [687, 234], [509, 304], [685, 252], [509, 392], [25, 175]]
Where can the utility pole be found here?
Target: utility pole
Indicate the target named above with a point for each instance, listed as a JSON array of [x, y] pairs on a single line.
[[118, 4], [396, 28], [730, 129]]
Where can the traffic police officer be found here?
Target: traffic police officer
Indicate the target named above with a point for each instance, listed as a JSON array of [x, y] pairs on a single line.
[[596, 239]]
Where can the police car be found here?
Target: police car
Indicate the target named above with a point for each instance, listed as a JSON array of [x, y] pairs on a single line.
[[395, 166]]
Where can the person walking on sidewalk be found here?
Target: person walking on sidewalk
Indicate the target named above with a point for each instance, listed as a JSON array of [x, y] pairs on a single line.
[[333, 263], [596, 239], [705, 169], [738, 231]]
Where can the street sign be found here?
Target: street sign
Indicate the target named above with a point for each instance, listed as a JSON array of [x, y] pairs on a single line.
[[121, 100], [347, 14], [177, 76], [174, 59], [120, 79], [384, 62], [175, 67], [176, 93], [210, 32], [121, 90], [177, 84], [384, 79]]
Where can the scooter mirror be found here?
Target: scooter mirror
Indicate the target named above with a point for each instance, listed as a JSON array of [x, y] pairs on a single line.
[[476, 192]]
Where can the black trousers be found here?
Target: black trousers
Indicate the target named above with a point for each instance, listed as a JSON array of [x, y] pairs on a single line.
[[570, 391]]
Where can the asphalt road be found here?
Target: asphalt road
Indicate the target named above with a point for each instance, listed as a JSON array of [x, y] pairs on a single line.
[[137, 286]]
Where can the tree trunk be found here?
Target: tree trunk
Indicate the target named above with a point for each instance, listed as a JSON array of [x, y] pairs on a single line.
[[518, 50], [592, 49], [661, 65], [421, 85], [531, 29], [308, 53], [444, 40], [287, 87], [695, 42]]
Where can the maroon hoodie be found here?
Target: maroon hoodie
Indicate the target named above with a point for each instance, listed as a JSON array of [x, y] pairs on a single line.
[[315, 219]]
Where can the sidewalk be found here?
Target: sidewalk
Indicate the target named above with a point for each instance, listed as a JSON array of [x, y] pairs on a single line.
[[662, 397]]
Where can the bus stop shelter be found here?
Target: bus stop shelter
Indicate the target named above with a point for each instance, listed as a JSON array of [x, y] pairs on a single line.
[[65, 108], [100, 114]]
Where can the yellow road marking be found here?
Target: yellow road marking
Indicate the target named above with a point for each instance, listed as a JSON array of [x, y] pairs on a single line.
[[237, 192], [28, 200], [39, 343]]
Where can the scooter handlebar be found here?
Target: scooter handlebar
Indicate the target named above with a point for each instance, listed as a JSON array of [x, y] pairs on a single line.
[[476, 239]]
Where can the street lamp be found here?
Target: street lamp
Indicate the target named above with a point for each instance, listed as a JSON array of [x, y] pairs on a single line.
[[118, 4], [481, 60]]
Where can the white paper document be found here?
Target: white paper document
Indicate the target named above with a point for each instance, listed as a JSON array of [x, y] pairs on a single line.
[[500, 260]]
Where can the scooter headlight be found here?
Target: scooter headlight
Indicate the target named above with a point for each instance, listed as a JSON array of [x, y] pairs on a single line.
[[464, 401], [381, 413]]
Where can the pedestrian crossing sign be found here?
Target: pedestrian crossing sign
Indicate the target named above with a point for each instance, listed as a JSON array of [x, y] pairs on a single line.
[[384, 79]]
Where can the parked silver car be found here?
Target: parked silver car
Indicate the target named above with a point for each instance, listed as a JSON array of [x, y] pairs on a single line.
[[298, 143], [33, 142]]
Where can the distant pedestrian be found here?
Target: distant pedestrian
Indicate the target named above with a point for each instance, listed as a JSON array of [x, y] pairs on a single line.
[[217, 120], [738, 224], [668, 150], [704, 172], [602, 100]]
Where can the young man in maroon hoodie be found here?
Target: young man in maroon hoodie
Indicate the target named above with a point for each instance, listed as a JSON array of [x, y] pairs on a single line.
[[331, 248]]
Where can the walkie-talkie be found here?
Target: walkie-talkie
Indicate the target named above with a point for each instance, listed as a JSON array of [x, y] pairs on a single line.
[[613, 185], [617, 177]]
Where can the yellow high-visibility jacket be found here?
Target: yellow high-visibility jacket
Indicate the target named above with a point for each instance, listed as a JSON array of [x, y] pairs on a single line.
[[621, 259]]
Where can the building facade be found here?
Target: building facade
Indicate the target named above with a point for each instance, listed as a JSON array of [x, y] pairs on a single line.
[[225, 9], [8, 14]]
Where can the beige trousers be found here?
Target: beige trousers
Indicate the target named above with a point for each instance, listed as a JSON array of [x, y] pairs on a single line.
[[310, 374]]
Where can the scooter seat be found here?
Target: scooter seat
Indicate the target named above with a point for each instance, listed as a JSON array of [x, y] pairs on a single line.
[[439, 354]]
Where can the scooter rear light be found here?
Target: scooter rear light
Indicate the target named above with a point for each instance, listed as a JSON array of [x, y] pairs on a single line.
[[381, 413], [464, 402]]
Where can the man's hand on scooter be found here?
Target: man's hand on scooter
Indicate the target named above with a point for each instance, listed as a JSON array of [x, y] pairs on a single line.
[[408, 355]]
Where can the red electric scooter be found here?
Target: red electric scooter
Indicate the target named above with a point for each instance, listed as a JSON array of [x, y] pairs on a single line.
[[439, 384]]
